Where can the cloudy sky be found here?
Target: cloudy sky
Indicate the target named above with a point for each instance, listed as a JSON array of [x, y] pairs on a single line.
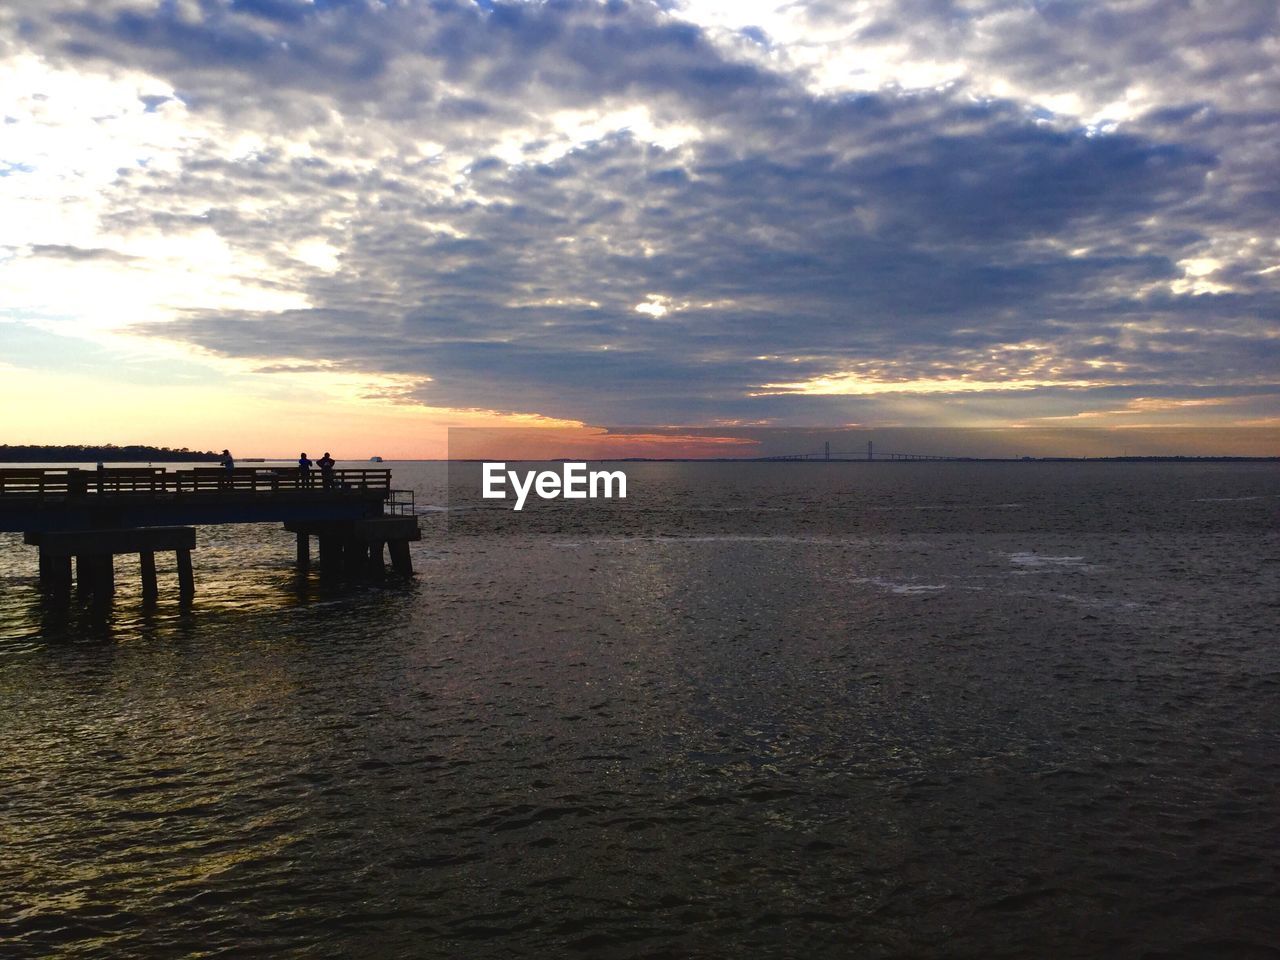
[[273, 223]]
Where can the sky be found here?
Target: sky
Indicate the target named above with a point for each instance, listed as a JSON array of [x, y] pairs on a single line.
[[283, 224]]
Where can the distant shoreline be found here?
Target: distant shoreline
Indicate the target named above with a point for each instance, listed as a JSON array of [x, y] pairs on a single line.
[[107, 453], [799, 460], [55, 455]]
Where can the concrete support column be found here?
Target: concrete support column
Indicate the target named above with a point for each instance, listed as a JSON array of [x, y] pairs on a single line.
[[355, 558], [59, 573], [357, 548], [186, 577], [400, 561], [94, 553], [147, 566], [95, 574], [84, 574], [304, 551]]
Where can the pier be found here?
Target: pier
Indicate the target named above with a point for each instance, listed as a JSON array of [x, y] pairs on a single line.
[[93, 516]]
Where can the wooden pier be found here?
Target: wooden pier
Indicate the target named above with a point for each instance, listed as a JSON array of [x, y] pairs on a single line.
[[93, 516]]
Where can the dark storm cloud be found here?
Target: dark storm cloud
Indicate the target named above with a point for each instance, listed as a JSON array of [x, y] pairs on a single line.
[[891, 235]]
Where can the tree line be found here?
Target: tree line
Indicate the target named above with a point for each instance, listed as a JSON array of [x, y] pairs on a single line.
[[107, 453]]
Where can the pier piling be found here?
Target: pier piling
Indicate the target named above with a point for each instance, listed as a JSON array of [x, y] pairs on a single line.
[[400, 561], [147, 568], [356, 548], [106, 573], [93, 577], [95, 551], [186, 577], [55, 574]]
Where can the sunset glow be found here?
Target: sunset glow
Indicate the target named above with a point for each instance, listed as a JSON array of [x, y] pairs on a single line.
[[251, 223]]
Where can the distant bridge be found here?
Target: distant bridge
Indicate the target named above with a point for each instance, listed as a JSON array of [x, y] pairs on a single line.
[[827, 454]]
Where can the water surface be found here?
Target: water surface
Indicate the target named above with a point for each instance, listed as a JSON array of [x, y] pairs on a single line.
[[880, 710]]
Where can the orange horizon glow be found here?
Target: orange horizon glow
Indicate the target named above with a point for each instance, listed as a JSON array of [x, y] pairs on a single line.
[[277, 417]]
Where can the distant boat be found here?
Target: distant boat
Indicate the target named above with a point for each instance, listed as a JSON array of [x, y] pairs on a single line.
[[375, 459]]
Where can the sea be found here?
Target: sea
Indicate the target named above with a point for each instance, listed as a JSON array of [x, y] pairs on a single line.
[[805, 710]]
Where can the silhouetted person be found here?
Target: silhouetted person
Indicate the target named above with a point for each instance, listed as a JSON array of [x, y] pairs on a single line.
[[228, 467], [326, 470], [304, 470]]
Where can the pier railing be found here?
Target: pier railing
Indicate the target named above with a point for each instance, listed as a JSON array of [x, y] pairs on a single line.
[[38, 483], [210, 479], [399, 503], [54, 483]]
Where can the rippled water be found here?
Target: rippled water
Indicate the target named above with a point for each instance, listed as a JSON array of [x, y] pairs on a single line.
[[802, 710]]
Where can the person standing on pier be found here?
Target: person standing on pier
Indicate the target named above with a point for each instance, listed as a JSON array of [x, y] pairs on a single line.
[[228, 467], [304, 470], [326, 470]]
